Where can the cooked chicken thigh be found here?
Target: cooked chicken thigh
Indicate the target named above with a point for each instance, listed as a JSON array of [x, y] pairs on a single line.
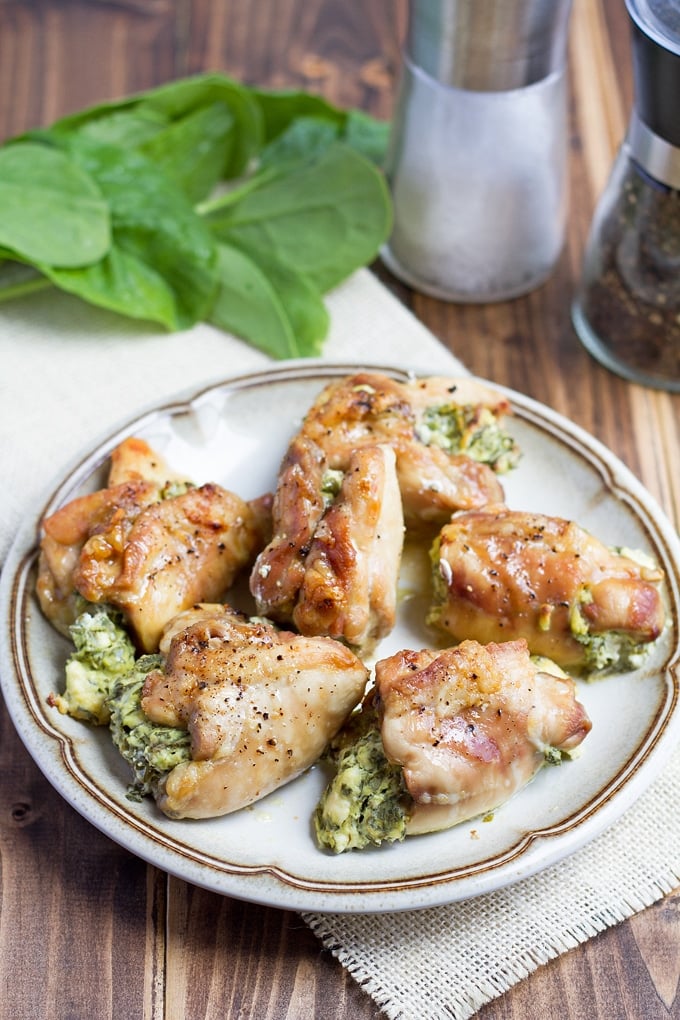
[[174, 553], [472, 725], [149, 556], [298, 506], [332, 566], [504, 574], [65, 533], [435, 483], [434, 426], [349, 588], [259, 705]]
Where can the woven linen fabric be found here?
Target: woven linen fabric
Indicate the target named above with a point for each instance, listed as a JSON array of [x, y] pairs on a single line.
[[445, 963], [70, 374]]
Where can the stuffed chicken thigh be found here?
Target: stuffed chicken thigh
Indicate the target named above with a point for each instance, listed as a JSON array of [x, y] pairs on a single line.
[[471, 725], [443, 737], [447, 435], [149, 545], [332, 566], [259, 706], [349, 589], [502, 574]]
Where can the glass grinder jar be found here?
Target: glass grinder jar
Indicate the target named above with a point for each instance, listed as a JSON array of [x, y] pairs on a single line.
[[627, 308], [478, 151]]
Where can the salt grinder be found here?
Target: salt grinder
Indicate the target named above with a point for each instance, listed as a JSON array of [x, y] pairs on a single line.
[[627, 308], [478, 153]]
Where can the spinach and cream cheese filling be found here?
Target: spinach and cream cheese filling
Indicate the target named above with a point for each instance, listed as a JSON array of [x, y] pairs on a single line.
[[366, 801], [604, 651], [151, 750], [103, 651], [474, 431], [103, 686]]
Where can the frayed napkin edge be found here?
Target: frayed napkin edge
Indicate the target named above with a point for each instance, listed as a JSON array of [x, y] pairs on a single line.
[[462, 1007]]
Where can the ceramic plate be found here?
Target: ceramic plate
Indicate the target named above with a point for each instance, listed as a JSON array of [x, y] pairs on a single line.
[[235, 433]]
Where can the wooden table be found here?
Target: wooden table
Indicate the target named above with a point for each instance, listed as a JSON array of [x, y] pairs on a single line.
[[87, 930]]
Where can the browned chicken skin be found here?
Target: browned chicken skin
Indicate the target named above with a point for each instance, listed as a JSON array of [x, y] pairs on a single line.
[[173, 554], [471, 725], [332, 566], [149, 556], [66, 531], [434, 484], [349, 589], [509, 574], [260, 706], [133, 459], [370, 408], [297, 508], [324, 570]]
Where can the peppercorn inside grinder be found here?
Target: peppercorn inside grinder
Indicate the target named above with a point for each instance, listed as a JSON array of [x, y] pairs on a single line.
[[627, 309]]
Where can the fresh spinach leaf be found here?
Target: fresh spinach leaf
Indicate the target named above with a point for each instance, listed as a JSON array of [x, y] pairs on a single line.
[[51, 210], [172, 102], [178, 98], [302, 139], [162, 265], [281, 107], [324, 218], [302, 302], [129, 126], [220, 201], [269, 304], [367, 135], [248, 305], [127, 284], [193, 151], [359, 130]]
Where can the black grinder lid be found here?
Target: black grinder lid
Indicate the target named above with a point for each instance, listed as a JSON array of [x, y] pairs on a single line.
[[656, 65]]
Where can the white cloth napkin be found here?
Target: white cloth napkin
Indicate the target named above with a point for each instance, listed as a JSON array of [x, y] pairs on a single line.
[[69, 373]]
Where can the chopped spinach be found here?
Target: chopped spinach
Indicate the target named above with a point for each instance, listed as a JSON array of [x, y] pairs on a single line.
[[103, 652], [151, 750]]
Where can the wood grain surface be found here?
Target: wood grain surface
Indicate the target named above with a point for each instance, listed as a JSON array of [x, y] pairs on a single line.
[[87, 930]]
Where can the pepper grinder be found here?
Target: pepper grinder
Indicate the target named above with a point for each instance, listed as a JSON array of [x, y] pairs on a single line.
[[478, 150], [627, 308]]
